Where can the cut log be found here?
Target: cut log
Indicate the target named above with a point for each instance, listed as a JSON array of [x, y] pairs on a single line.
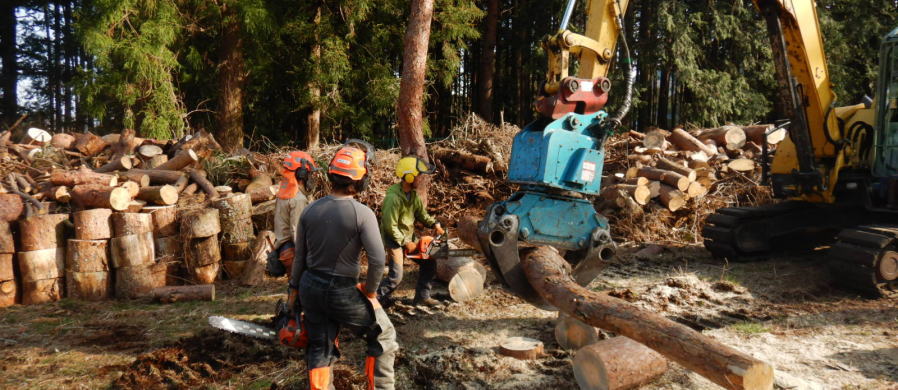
[[757, 133], [11, 207], [523, 348], [88, 286], [181, 160], [172, 294], [57, 193], [205, 274], [238, 251], [637, 181], [181, 183], [190, 189], [696, 190], [154, 162], [202, 142], [234, 269], [8, 293], [165, 220], [670, 178], [134, 206], [654, 140], [224, 190], [149, 151], [641, 158], [777, 136], [685, 141], [547, 272], [671, 198], [137, 281], [124, 224], [62, 141], [93, 224], [96, 196], [6, 267], [132, 187], [654, 189], [636, 135], [7, 242], [137, 177], [572, 334], [200, 223], [41, 264], [43, 232], [158, 176], [464, 276], [254, 272], [669, 165], [89, 144], [199, 252], [122, 163], [87, 256], [41, 291], [160, 195], [618, 363], [168, 247], [260, 180], [61, 177], [35, 136], [260, 195], [132, 250], [730, 137], [741, 165], [641, 194], [199, 178], [464, 160], [236, 206], [126, 143]]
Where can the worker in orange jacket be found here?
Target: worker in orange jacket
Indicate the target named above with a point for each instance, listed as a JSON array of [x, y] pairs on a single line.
[[297, 184]]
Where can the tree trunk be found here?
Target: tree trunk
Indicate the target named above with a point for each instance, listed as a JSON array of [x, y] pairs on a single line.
[[313, 119], [231, 77], [488, 60], [411, 87], [9, 79], [725, 366]]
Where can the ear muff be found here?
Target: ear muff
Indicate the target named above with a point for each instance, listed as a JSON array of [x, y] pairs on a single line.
[[409, 178]]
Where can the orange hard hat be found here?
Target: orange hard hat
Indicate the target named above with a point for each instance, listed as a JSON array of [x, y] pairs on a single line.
[[350, 162], [299, 159]]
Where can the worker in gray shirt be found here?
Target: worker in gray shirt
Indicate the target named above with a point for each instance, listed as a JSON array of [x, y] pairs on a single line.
[[331, 233], [297, 184]]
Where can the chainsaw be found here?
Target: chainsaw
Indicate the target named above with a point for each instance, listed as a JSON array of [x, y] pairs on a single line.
[[288, 329], [430, 247]]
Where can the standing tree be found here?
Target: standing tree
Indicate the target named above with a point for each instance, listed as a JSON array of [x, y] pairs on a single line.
[[231, 77], [9, 77], [488, 60], [411, 87]]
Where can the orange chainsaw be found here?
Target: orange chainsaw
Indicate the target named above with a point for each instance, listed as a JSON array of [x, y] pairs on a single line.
[[287, 329], [430, 247]]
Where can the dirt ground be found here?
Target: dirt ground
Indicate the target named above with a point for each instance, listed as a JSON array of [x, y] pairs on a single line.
[[781, 311]]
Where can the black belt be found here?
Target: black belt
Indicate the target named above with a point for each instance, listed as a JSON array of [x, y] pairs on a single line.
[[342, 280]]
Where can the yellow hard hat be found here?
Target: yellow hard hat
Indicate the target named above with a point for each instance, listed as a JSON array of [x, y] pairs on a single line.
[[410, 167]]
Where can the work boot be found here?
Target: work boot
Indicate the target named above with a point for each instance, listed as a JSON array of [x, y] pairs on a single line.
[[426, 302]]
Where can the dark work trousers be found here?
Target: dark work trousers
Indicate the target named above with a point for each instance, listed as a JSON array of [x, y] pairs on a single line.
[[332, 302], [395, 258]]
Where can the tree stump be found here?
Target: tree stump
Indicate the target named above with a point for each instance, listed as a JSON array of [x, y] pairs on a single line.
[[42, 232], [573, 334], [88, 286], [172, 294], [618, 363], [124, 224], [200, 223], [87, 256], [133, 250], [523, 348], [254, 272]]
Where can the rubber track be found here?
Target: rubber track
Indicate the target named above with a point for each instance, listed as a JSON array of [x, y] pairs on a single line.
[[854, 259], [719, 231]]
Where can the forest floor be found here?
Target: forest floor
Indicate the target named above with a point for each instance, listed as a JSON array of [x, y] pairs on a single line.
[[780, 310]]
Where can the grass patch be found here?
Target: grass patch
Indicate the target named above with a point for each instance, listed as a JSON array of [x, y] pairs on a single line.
[[747, 328]]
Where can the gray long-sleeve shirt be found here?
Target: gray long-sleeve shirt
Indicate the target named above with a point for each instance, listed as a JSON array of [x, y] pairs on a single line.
[[286, 217], [331, 234]]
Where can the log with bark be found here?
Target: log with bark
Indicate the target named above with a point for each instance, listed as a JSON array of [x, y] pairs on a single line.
[[43, 232], [640, 193], [136, 176], [686, 141], [157, 176], [7, 242], [233, 270], [42, 291], [83, 175], [172, 294], [41, 264], [165, 220], [464, 275], [237, 251], [730, 137], [124, 224], [160, 195], [200, 223], [670, 178], [154, 162], [181, 160], [260, 180], [671, 197], [88, 286], [464, 160], [87, 255], [132, 250], [55, 193], [199, 177], [8, 293], [122, 163], [137, 281], [11, 207], [89, 144], [617, 363], [132, 187], [572, 334], [260, 195], [62, 141], [88, 196], [669, 165], [254, 272], [548, 273], [93, 224]]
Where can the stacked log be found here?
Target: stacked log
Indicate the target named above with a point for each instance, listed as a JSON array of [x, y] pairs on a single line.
[[676, 167], [167, 243], [87, 269], [133, 255], [235, 216], [41, 258], [199, 234], [8, 286]]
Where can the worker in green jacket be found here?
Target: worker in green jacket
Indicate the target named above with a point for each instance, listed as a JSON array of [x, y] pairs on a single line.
[[401, 208]]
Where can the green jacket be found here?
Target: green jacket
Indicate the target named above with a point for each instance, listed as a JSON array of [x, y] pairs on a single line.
[[399, 213]]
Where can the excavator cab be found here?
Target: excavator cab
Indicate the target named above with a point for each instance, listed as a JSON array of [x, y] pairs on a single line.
[[886, 159]]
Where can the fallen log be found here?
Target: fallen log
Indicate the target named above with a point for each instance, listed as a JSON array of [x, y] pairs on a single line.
[[149, 151], [670, 178], [260, 195], [617, 363], [671, 197], [62, 141], [199, 177], [96, 196], [134, 175], [7, 240], [758, 134], [547, 272], [669, 165], [641, 194], [93, 224], [122, 163], [730, 137], [83, 175], [686, 141], [89, 144], [6, 267], [254, 272], [172, 294], [161, 195], [181, 160]]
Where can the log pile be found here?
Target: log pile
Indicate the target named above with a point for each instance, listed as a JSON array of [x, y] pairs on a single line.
[[134, 256], [199, 235], [676, 169], [42, 257]]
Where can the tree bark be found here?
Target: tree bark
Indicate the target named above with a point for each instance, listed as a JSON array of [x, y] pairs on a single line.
[[93, 224], [156, 176], [88, 286], [165, 220], [97, 196], [41, 264], [200, 223], [313, 119], [488, 61], [411, 87], [43, 232], [124, 224], [10, 76], [231, 77], [132, 250], [725, 366], [87, 256], [617, 363]]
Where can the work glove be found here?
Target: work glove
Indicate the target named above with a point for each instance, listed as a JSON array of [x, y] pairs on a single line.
[[439, 229], [410, 247]]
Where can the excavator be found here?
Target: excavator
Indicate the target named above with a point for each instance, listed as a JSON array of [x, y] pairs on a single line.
[[836, 170]]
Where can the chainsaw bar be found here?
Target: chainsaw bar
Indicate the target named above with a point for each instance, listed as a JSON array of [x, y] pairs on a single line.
[[243, 327]]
